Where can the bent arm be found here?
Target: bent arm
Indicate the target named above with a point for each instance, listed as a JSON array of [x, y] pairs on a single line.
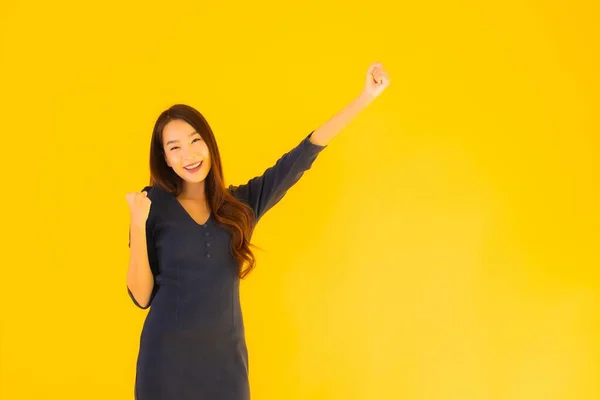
[[140, 280]]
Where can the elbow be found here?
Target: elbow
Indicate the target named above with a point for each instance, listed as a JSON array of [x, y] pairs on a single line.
[[143, 304]]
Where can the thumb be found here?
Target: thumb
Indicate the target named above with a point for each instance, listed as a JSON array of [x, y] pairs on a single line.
[[372, 67]]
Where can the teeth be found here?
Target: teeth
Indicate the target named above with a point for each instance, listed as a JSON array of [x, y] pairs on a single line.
[[193, 165]]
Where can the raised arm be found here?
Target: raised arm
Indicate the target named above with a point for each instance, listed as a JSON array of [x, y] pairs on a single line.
[[263, 192], [376, 81]]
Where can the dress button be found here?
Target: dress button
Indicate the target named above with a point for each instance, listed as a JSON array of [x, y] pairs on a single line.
[[207, 255], [206, 233], [208, 244]]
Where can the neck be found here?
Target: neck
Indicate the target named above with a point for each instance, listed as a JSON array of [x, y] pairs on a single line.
[[194, 191]]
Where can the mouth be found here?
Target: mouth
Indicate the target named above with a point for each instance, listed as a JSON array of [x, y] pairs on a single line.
[[194, 167]]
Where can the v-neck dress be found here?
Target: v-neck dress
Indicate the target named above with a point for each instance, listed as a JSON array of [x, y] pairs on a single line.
[[192, 345]]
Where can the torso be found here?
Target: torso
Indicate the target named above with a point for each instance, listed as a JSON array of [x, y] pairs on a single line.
[[199, 212]]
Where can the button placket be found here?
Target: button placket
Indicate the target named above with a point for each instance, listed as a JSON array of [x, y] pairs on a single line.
[[207, 244]]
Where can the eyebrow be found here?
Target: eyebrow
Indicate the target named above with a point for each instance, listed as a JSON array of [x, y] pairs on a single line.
[[176, 140]]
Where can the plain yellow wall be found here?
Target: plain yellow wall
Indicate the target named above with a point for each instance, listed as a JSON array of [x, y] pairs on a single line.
[[444, 246]]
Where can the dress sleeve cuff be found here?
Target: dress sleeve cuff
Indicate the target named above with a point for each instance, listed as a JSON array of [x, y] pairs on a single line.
[[310, 146]]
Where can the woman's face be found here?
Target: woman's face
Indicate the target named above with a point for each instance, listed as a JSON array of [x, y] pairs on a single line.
[[185, 151]]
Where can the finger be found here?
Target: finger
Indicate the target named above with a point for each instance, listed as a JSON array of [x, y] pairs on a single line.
[[372, 68], [381, 76]]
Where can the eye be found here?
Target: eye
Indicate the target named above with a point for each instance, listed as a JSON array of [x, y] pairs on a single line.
[[173, 148], [196, 139]]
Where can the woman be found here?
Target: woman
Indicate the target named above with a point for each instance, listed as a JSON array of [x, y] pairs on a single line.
[[189, 245]]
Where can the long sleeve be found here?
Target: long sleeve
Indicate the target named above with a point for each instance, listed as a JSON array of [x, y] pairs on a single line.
[[264, 191]]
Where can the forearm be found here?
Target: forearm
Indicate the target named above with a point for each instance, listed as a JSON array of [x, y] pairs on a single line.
[[140, 280], [330, 129]]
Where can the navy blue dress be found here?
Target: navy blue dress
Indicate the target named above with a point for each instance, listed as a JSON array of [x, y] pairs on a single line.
[[192, 345]]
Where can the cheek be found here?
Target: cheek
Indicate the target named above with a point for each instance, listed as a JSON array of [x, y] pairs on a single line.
[[205, 152], [171, 160]]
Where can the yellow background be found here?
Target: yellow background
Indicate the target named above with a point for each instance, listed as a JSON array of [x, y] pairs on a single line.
[[444, 246]]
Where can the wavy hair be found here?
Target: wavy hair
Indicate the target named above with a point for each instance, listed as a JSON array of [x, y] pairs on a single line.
[[236, 216]]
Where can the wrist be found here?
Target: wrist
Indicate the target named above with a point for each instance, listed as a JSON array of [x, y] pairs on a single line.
[[139, 226], [365, 97]]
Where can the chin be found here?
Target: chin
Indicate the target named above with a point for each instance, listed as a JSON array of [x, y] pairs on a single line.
[[193, 179]]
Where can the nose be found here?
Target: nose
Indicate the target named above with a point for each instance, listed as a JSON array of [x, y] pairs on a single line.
[[187, 155]]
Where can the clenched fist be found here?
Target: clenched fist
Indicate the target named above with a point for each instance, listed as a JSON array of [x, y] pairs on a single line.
[[139, 207], [377, 80]]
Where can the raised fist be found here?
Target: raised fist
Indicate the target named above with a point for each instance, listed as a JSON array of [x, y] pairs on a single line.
[[139, 207], [377, 80]]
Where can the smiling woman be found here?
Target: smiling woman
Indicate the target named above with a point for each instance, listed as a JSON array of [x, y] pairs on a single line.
[[185, 149], [187, 257], [190, 243]]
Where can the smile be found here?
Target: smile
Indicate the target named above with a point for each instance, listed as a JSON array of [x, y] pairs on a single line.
[[194, 167]]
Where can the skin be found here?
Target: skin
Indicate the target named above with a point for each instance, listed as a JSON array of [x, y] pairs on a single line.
[[377, 80], [184, 146], [189, 147]]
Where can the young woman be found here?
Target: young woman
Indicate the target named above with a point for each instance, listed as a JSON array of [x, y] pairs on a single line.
[[189, 245]]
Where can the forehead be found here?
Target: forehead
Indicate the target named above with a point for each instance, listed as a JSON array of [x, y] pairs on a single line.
[[177, 130]]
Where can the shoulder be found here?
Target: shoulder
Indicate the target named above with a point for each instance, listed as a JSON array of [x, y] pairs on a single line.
[[157, 196], [238, 191], [149, 188], [154, 192], [150, 191]]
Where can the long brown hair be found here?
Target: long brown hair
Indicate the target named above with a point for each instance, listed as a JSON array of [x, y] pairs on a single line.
[[236, 216]]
